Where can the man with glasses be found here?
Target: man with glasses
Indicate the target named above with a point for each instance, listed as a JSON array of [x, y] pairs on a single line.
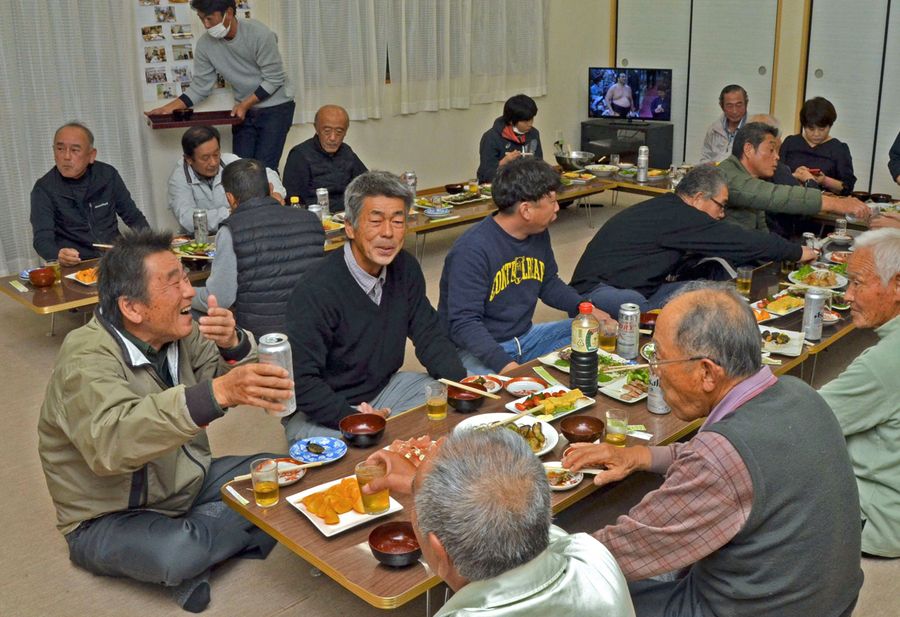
[[758, 513], [637, 253], [720, 134]]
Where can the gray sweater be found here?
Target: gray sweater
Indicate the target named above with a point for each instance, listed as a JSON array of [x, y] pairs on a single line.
[[250, 62]]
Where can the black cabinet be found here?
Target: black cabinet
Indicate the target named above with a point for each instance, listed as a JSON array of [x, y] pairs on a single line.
[[602, 136]]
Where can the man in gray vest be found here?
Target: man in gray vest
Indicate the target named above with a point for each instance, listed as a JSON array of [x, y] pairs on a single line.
[[759, 512], [262, 249]]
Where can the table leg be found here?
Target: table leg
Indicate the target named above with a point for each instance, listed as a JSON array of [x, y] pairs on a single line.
[[420, 247], [52, 324]]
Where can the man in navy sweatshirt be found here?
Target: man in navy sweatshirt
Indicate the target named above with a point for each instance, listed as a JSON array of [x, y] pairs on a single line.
[[495, 273]]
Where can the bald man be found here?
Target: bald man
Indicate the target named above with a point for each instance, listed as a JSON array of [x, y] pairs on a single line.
[[323, 161]]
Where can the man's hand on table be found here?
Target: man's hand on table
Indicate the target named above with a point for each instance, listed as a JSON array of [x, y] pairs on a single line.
[[218, 325], [384, 412], [259, 385], [809, 255], [619, 462], [166, 109], [886, 220], [68, 257], [399, 476]]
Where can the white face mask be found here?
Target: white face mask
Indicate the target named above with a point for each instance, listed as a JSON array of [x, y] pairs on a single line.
[[517, 131], [219, 30]]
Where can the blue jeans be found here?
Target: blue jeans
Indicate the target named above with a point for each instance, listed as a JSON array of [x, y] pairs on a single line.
[[541, 339], [608, 298], [262, 134]]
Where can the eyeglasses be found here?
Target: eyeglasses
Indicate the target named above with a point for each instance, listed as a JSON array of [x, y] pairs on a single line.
[[655, 364], [717, 202]]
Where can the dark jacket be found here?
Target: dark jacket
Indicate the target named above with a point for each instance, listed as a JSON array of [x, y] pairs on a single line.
[[894, 159], [309, 167], [639, 247], [77, 213], [274, 246], [832, 157], [494, 147]]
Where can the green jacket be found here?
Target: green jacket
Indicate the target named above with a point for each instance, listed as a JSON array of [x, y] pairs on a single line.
[[750, 198], [866, 401], [112, 436], [576, 575]]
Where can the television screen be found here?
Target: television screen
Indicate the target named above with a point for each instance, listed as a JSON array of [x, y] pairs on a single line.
[[630, 93]]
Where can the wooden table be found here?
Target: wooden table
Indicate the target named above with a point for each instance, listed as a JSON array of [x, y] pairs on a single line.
[[198, 118]]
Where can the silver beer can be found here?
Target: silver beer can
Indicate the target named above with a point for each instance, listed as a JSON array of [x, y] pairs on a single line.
[[655, 401], [275, 349], [322, 200], [409, 177], [317, 210], [628, 335], [201, 226], [813, 307], [643, 163]]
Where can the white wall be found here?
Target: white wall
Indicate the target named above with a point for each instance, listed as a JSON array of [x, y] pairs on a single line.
[[442, 146]]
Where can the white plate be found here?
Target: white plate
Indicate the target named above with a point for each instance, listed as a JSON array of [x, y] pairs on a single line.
[[523, 386], [829, 256], [551, 437], [648, 350], [553, 357], [574, 481], [793, 347], [348, 520], [830, 317], [580, 404], [287, 474], [841, 281], [491, 384], [73, 277], [616, 389], [775, 314]]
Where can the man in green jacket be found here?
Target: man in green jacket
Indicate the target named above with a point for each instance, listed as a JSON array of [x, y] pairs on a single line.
[[864, 397], [754, 158], [121, 433]]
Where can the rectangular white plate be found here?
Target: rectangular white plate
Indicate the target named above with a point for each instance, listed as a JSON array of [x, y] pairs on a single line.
[[616, 389], [551, 358], [74, 278], [776, 314], [794, 347], [581, 404], [349, 519]]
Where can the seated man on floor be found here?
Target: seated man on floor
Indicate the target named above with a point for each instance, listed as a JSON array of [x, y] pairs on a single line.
[[752, 516], [632, 257], [78, 202], [196, 181], [121, 433], [262, 250], [482, 517], [748, 171], [323, 160], [497, 270], [349, 317], [865, 398]]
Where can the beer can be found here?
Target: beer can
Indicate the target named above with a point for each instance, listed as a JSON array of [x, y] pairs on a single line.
[[813, 307], [322, 200], [643, 163], [317, 210], [655, 401], [409, 177], [201, 226], [627, 338], [274, 348]]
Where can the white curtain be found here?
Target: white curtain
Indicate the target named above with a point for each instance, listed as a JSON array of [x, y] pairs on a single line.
[[63, 60], [334, 54]]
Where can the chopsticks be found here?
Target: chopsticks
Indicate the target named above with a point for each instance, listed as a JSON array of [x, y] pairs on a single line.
[[97, 245], [463, 386], [510, 419], [561, 468], [623, 367], [247, 476]]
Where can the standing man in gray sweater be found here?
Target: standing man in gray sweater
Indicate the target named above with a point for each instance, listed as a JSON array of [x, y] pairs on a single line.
[[246, 54]]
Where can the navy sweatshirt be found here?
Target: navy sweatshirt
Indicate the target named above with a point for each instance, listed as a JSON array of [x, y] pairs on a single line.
[[491, 284]]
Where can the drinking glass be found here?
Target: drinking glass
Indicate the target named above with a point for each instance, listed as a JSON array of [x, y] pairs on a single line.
[[608, 331], [436, 400], [375, 503], [264, 474], [744, 279], [840, 227], [614, 159], [57, 271], [616, 426]]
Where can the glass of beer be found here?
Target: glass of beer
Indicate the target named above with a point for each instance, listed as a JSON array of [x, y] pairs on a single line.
[[375, 503], [264, 473], [744, 278], [616, 426], [608, 336], [57, 271], [436, 400]]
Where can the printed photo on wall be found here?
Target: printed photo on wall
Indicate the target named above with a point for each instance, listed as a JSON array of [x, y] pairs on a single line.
[[165, 91], [155, 75], [152, 33], [164, 14], [154, 55], [148, 2], [181, 31], [182, 52], [182, 74]]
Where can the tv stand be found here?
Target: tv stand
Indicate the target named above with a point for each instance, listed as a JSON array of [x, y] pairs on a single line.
[[622, 136]]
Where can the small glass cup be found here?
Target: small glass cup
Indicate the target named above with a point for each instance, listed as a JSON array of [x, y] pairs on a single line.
[[616, 426], [614, 159], [264, 474], [608, 330], [57, 270], [473, 185], [375, 503], [436, 202], [743, 280], [840, 227], [436, 400]]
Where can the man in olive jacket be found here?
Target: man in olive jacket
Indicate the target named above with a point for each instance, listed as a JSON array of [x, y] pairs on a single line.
[[121, 431]]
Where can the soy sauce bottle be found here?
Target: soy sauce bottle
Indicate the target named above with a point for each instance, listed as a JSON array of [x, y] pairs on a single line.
[[585, 339]]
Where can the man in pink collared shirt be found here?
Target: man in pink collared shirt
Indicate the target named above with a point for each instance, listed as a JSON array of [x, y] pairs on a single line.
[[753, 516]]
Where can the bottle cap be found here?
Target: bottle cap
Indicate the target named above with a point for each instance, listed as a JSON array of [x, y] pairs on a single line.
[[585, 307]]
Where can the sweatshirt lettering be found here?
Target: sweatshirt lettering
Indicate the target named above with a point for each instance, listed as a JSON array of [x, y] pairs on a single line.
[[514, 272]]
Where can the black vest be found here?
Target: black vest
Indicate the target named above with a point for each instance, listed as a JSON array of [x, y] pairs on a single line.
[[798, 555], [274, 246]]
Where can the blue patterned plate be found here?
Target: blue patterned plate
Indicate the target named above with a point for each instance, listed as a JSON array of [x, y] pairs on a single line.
[[334, 449], [23, 275]]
